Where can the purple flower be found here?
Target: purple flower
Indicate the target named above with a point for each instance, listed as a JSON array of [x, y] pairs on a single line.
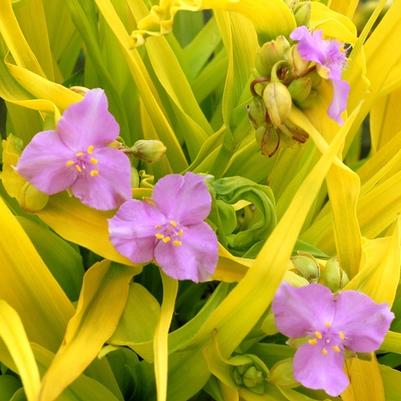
[[333, 322], [330, 58], [76, 155], [169, 228]]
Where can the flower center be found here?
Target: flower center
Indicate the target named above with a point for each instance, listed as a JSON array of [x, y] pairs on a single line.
[[84, 163], [328, 340], [172, 232]]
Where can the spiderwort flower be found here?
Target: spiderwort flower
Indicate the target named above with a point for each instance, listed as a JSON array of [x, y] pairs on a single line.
[[330, 59], [169, 228], [76, 155], [333, 323]]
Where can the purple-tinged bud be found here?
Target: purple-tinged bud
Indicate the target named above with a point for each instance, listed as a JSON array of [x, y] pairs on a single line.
[[278, 102], [300, 89], [270, 53], [148, 150]]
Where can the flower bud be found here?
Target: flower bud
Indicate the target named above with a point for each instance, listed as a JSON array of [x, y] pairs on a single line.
[[250, 372], [333, 276], [270, 141], [270, 53], [302, 13], [306, 266], [299, 66], [300, 89], [282, 374], [148, 150], [278, 102], [257, 112], [31, 199]]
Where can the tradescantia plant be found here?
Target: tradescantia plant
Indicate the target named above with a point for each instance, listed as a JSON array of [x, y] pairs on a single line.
[[200, 200]]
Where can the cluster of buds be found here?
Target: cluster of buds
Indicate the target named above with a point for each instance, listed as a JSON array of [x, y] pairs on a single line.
[[320, 271], [285, 78]]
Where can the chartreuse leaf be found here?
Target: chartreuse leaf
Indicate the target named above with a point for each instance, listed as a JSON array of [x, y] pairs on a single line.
[[15, 40], [160, 342], [270, 18], [8, 386], [392, 342], [385, 119], [380, 273], [392, 383], [15, 339], [101, 303], [36, 33], [266, 273], [64, 214], [366, 381], [28, 286], [146, 88]]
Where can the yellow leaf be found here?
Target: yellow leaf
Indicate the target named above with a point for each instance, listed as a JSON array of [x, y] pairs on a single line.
[[100, 305], [13, 334]]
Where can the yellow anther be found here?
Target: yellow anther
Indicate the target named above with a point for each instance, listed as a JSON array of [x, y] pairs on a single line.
[[177, 243], [90, 149], [336, 348], [94, 173], [180, 233], [70, 163], [328, 324], [93, 160], [79, 154], [324, 351], [313, 341], [173, 223], [166, 240], [78, 167], [341, 335], [159, 236], [318, 335]]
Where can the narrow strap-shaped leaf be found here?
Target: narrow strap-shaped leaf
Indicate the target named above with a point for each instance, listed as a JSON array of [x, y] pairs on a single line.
[[103, 297]]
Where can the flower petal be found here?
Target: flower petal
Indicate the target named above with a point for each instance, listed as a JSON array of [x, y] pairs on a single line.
[[132, 230], [311, 45], [195, 259], [301, 311], [317, 371], [183, 198], [88, 122], [43, 163], [363, 321], [111, 187], [339, 103]]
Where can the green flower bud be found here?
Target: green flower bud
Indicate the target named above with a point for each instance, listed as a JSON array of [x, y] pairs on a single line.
[[278, 102], [306, 266], [250, 372], [257, 112], [270, 141], [148, 150], [31, 199], [270, 53], [302, 13], [300, 89], [298, 65], [282, 374], [333, 276]]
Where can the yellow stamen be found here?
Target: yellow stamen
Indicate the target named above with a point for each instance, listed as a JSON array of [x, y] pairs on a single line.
[[70, 163], [177, 243], [78, 167], [328, 324], [159, 236], [180, 233], [313, 341], [173, 223], [90, 149], [93, 160], [94, 173], [324, 351], [166, 240], [341, 335], [318, 335], [79, 154], [336, 348]]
